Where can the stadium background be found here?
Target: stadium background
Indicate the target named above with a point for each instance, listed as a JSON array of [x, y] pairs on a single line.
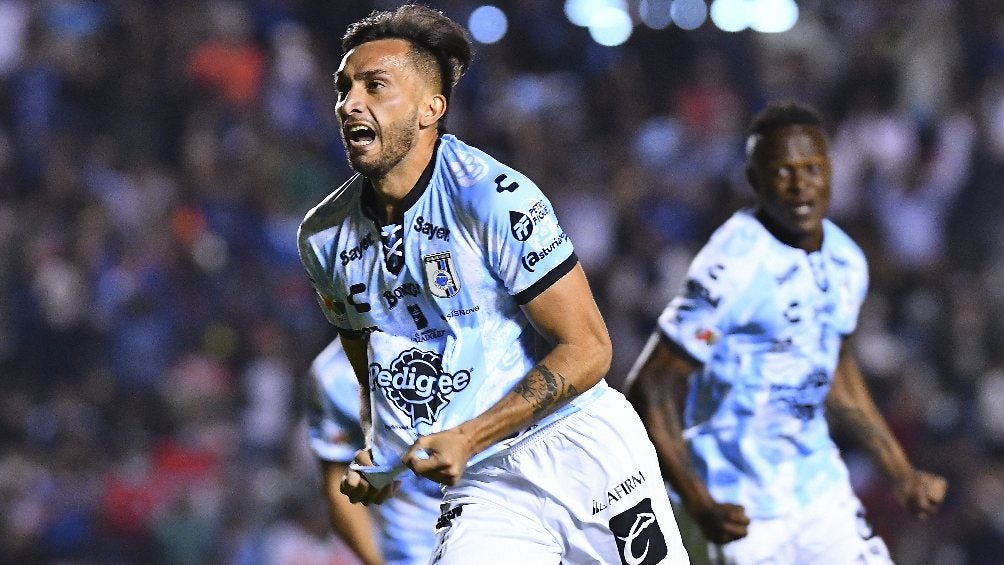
[[156, 157]]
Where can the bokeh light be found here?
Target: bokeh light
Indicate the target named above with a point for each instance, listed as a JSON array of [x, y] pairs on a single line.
[[773, 16], [610, 26], [731, 15], [689, 14], [655, 13], [487, 24], [583, 12]]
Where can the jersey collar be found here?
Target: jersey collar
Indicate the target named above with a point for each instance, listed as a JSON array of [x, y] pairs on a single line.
[[371, 206]]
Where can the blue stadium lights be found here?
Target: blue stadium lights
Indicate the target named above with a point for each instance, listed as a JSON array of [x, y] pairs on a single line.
[[487, 24], [764, 16], [583, 12], [689, 14], [656, 13]]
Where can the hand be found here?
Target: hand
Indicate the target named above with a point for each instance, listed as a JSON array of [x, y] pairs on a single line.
[[441, 457], [922, 493], [355, 486], [722, 523]]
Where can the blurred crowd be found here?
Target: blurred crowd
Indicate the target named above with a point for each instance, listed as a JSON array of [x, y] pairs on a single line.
[[156, 325]]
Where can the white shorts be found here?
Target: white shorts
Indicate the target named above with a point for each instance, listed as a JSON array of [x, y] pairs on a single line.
[[832, 530], [584, 490]]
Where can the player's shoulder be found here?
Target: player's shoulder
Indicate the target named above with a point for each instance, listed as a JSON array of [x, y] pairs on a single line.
[[332, 209], [737, 240], [478, 179], [841, 246]]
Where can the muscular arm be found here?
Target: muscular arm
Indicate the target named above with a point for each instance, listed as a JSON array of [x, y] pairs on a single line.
[[566, 315], [850, 408], [657, 388], [350, 521], [355, 350]]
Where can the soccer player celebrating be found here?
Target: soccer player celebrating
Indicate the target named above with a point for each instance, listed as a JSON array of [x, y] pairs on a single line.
[[441, 268], [761, 330], [401, 531]]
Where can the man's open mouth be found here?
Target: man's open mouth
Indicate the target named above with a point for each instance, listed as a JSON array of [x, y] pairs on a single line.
[[360, 135]]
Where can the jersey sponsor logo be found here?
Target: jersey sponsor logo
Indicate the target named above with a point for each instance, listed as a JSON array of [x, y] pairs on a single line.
[[431, 230], [804, 400], [416, 384], [467, 168], [534, 257], [421, 322], [441, 275], [333, 306], [446, 518], [426, 335], [394, 296], [500, 188], [459, 312], [618, 492], [349, 255], [520, 225], [639, 537], [696, 293]]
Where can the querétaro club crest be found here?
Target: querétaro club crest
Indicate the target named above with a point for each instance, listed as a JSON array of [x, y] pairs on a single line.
[[417, 385], [441, 275]]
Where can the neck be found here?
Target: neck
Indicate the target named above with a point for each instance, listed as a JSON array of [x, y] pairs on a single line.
[[393, 187], [808, 242]]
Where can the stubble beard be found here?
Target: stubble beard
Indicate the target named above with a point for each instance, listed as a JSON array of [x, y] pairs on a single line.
[[397, 141]]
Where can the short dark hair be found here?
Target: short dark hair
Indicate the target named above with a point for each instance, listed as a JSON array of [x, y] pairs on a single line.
[[430, 33], [778, 115]]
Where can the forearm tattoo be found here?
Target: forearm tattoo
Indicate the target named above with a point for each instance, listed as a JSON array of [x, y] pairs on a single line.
[[544, 390]]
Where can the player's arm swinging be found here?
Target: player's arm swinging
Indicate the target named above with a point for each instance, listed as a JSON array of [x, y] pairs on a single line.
[[567, 316], [656, 387], [850, 407]]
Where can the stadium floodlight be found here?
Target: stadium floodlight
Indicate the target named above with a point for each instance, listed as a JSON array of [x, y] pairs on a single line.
[[773, 16], [731, 15]]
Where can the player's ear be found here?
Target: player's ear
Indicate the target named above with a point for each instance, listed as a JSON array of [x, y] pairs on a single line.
[[432, 110]]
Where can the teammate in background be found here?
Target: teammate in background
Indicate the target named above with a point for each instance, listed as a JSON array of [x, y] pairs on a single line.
[[441, 267], [761, 329], [402, 529]]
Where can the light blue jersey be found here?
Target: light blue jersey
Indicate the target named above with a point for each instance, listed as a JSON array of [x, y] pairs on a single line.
[[440, 297], [766, 320], [406, 522]]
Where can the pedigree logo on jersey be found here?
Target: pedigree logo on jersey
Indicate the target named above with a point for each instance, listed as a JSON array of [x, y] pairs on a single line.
[[417, 385], [441, 274], [640, 540]]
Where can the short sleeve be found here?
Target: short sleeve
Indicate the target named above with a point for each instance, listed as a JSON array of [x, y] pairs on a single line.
[[699, 315], [527, 248]]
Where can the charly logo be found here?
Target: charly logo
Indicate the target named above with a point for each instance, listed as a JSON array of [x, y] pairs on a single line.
[[417, 385], [640, 540], [441, 275], [511, 187], [534, 257]]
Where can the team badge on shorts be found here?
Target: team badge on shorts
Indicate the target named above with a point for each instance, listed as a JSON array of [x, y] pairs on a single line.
[[640, 540], [441, 275]]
